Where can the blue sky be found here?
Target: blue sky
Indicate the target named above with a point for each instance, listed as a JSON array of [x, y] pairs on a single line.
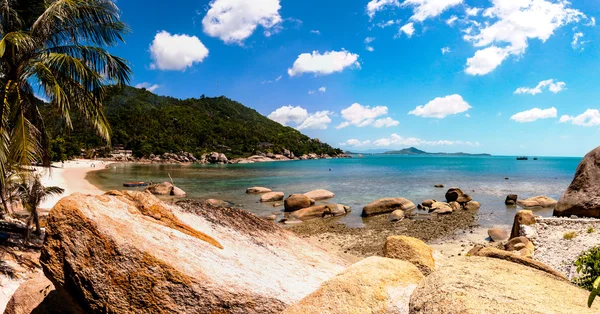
[[512, 77]]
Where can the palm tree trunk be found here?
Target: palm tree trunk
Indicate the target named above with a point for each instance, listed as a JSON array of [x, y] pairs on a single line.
[[36, 220], [28, 229], [3, 204]]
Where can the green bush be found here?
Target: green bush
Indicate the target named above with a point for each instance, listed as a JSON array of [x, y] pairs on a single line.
[[570, 235], [588, 267], [590, 230]]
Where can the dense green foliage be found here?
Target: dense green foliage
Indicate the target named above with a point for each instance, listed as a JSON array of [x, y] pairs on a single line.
[[151, 124], [588, 267]]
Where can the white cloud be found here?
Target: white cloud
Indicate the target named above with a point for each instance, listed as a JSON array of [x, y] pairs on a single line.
[[408, 29], [535, 114], [592, 22], [446, 50], [235, 20], [361, 116], [369, 40], [287, 114], [442, 107], [149, 87], [356, 143], [576, 43], [508, 26], [467, 115], [388, 23], [316, 32], [370, 49], [272, 81], [590, 117], [377, 5], [176, 52], [321, 89], [424, 9], [317, 121], [323, 64], [552, 86], [397, 140], [451, 20], [473, 11], [385, 123]]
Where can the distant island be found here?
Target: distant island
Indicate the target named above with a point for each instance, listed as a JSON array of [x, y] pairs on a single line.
[[415, 151]]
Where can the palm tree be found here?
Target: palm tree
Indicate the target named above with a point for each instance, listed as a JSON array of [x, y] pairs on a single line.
[[31, 193], [55, 49]]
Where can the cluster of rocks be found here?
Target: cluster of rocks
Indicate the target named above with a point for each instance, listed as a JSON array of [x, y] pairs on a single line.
[[165, 189], [127, 252], [456, 199], [285, 155], [181, 157]]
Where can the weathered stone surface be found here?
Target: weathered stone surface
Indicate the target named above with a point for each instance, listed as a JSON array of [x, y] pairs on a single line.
[[497, 234], [178, 192], [521, 245], [511, 200], [164, 188], [397, 215], [455, 205], [582, 197], [320, 194], [272, 197], [537, 202], [428, 203], [127, 252], [472, 205], [388, 205], [441, 208], [452, 194], [217, 203], [518, 259], [373, 285], [297, 201], [37, 295], [411, 250], [475, 285], [258, 190], [463, 199], [522, 218], [321, 211]]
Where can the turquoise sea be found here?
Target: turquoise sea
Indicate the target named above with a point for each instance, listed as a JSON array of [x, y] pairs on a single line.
[[359, 181]]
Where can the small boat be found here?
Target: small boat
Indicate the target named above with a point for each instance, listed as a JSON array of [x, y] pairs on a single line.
[[134, 184], [535, 158], [522, 158]]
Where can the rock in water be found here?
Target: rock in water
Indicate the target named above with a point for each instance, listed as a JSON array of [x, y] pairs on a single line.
[[178, 192], [472, 205], [522, 218], [318, 195], [164, 188], [537, 202], [388, 205], [396, 215], [474, 285], [272, 197], [321, 211], [258, 190], [127, 252], [373, 285], [297, 201], [511, 200], [411, 250], [453, 194], [441, 208], [582, 197]]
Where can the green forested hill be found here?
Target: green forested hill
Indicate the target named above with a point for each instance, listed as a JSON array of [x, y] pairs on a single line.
[[151, 124]]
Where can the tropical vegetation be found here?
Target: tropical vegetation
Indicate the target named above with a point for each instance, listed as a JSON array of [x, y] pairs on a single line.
[[588, 268]]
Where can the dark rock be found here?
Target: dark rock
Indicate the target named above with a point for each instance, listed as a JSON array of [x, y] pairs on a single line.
[[511, 200], [453, 194], [582, 197]]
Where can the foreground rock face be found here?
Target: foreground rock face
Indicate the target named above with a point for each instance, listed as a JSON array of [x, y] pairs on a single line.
[[388, 205], [37, 295], [473, 285], [411, 250], [516, 258], [582, 197], [126, 252], [373, 285]]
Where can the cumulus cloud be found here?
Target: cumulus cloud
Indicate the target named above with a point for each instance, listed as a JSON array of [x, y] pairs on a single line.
[[472, 11], [590, 117], [361, 116], [324, 64], [176, 52], [287, 115], [388, 23], [534, 114], [446, 50], [316, 32], [408, 29], [233, 21], [577, 44], [385, 123], [452, 20], [551, 84], [507, 27], [442, 107], [149, 87], [356, 143], [424, 9], [398, 141], [368, 41], [377, 5], [321, 89]]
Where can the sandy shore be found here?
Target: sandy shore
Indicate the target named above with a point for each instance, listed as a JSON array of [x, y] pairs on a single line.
[[71, 177]]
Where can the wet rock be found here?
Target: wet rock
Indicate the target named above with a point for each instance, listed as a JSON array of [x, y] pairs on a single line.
[[258, 190], [321, 211], [439, 186], [582, 197], [452, 194], [272, 197], [388, 205], [397, 215], [178, 192], [472, 205], [164, 188], [320, 194], [537, 202], [297, 201], [463, 199], [441, 208], [411, 250], [511, 200], [428, 203]]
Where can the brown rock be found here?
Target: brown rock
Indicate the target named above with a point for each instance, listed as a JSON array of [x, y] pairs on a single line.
[[178, 192], [518, 259], [439, 186], [37, 295], [164, 188], [126, 252], [388, 205], [272, 197], [428, 203], [511, 200], [537, 202], [258, 190], [373, 285], [297, 201], [522, 218], [441, 208], [411, 250], [453, 194], [582, 197], [217, 203], [497, 234], [521, 245], [318, 195], [321, 211], [463, 199], [475, 285], [455, 205], [397, 215], [472, 205]]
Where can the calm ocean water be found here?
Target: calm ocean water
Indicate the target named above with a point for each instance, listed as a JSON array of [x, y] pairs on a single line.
[[359, 181]]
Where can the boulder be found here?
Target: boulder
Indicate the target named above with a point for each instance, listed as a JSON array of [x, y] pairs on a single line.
[[472, 205], [452, 194], [522, 218], [428, 203], [518, 259], [373, 285], [537, 202], [127, 252], [217, 203], [320, 194], [321, 211], [439, 186], [178, 192], [397, 215], [455, 205], [582, 197], [441, 208], [258, 190], [463, 199], [388, 205], [411, 250], [474, 285], [38, 295], [521, 245], [164, 188], [497, 234], [511, 200], [272, 197], [297, 201]]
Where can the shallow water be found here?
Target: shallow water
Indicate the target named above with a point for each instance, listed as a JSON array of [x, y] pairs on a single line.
[[359, 181]]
